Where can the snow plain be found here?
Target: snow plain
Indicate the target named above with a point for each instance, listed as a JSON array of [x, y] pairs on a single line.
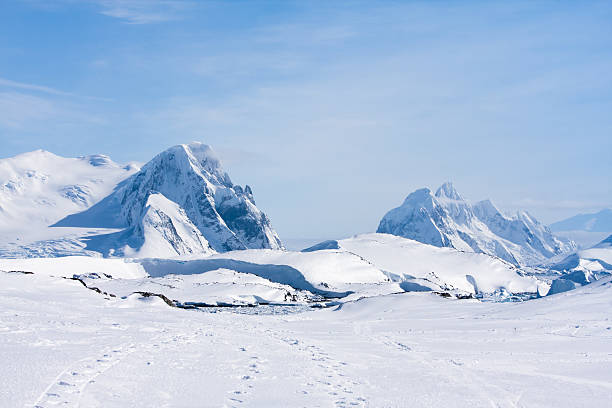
[[64, 345]]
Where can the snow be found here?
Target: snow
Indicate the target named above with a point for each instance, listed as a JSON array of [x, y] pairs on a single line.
[[216, 287], [187, 298], [444, 266], [75, 265], [63, 344]]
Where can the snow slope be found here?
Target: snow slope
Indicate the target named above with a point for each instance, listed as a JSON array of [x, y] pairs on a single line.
[[404, 259], [61, 344], [446, 219]]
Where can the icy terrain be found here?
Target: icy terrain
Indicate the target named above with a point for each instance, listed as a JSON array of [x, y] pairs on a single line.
[[583, 267], [446, 219], [64, 345]]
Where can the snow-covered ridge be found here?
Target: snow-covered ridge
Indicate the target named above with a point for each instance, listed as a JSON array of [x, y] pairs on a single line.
[[446, 219]]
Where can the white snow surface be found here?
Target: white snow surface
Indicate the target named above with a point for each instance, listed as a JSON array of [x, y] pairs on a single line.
[[64, 345], [362, 266], [469, 272]]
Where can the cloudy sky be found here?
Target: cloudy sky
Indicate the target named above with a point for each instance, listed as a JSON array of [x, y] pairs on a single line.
[[333, 111]]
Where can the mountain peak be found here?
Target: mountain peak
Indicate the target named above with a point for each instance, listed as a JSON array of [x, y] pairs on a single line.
[[446, 219], [447, 190], [191, 177]]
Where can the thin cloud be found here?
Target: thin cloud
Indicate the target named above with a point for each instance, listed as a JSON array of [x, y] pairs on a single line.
[[32, 87], [129, 11], [19, 111], [45, 89], [143, 11]]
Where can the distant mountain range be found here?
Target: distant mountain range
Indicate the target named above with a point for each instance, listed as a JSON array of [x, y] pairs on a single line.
[[446, 219], [182, 202]]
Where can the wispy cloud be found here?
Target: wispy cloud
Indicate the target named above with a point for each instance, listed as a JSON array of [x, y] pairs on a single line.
[[26, 106], [129, 11], [7, 83], [144, 11], [19, 111], [32, 87]]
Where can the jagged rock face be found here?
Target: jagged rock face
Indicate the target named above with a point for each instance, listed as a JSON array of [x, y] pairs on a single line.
[[190, 176], [445, 219]]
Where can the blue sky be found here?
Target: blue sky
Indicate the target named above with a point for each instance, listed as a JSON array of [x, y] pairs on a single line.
[[332, 111]]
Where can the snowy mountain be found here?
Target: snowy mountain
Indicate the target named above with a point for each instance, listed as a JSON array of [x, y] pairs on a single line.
[[183, 201], [39, 188], [446, 219]]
